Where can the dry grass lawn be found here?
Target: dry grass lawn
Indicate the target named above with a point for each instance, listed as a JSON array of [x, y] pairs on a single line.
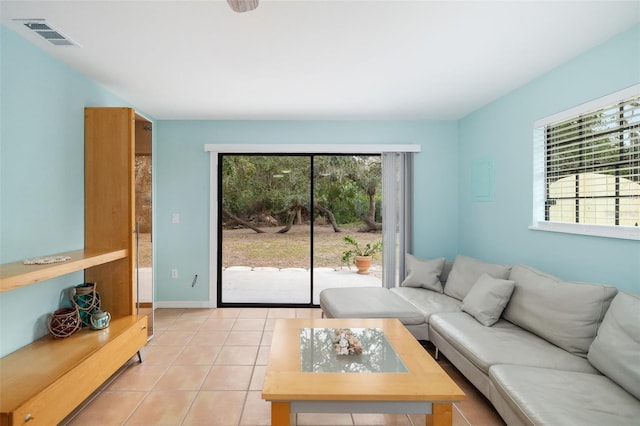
[[244, 247]]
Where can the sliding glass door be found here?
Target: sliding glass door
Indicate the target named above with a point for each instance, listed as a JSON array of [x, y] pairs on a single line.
[[347, 199], [282, 220], [265, 229]]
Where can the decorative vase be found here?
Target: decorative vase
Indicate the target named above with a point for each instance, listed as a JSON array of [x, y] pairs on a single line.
[[363, 263], [100, 319], [64, 322], [86, 300]]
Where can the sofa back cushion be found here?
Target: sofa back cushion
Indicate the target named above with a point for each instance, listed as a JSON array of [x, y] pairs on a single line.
[[564, 313], [446, 269], [616, 349], [423, 273], [466, 271]]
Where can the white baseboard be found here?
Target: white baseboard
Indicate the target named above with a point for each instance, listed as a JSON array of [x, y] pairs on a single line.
[[183, 304]]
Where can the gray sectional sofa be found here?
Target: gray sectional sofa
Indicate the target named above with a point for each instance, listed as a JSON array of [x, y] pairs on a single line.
[[542, 350]]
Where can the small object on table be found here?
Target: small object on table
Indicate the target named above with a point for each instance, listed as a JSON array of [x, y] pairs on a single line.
[[346, 342]]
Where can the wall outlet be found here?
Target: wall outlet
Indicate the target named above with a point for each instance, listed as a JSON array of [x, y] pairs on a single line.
[[175, 218], [174, 273]]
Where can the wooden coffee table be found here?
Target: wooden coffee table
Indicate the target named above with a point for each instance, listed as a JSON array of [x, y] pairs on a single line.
[[394, 374]]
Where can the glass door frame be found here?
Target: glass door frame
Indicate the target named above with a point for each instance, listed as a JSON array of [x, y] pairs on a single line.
[[260, 149], [220, 194]]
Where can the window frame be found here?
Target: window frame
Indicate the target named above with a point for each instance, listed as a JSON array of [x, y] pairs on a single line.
[[539, 223]]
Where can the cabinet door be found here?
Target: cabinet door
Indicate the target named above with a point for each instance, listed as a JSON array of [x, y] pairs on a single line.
[[144, 217], [110, 203]]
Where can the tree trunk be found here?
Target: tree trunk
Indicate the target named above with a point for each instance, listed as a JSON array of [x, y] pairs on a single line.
[[241, 221], [292, 216], [372, 206], [370, 219], [329, 215], [370, 225]]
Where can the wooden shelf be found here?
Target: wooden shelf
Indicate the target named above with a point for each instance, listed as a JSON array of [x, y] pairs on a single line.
[[16, 275], [49, 377], [42, 382]]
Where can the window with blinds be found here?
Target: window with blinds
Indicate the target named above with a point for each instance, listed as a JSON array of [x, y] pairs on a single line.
[[592, 166]]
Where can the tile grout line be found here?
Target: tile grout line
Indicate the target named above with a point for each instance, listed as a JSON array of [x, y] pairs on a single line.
[[253, 369], [461, 414], [124, 422], [182, 419], [172, 364]]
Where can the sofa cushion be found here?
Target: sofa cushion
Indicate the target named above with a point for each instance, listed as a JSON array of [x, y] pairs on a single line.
[[616, 349], [503, 343], [466, 271], [566, 314], [446, 269], [428, 302], [487, 298], [542, 396], [368, 302], [423, 273]]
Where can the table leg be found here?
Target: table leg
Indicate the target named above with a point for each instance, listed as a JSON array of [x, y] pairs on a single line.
[[280, 413], [441, 415]]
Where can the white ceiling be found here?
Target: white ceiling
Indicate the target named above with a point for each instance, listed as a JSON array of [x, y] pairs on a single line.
[[309, 59]]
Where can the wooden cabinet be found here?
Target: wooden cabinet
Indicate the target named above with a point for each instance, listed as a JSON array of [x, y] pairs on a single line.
[[45, 381], [109, 192], [41, 383]]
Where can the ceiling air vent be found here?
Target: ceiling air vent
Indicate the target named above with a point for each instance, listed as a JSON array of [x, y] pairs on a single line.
[[46, 31]]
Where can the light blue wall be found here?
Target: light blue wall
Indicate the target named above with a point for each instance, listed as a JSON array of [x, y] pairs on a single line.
[[182, 172], [41, 176], [502, 132]]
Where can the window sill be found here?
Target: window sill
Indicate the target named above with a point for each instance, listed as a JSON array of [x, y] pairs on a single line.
[[621, 232]]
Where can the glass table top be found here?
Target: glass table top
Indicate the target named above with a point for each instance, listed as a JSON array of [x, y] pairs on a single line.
[[320, 350]]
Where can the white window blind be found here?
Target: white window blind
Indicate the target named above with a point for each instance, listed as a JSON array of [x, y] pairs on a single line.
[[592, 167]]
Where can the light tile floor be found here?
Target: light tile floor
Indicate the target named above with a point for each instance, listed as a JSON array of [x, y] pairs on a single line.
[[207, 366]]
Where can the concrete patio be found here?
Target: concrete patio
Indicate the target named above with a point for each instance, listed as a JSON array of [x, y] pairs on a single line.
[[243, 284]]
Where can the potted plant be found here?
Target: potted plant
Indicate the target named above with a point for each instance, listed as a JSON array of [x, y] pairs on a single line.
[[360, 255]]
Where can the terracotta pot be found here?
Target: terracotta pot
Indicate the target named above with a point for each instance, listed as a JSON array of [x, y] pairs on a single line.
[[363, 263]]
